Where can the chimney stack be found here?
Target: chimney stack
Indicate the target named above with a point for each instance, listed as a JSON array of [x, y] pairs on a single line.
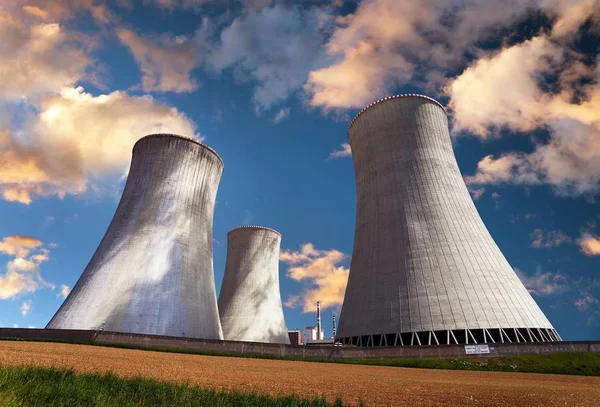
[[319, 335], [334, 328]]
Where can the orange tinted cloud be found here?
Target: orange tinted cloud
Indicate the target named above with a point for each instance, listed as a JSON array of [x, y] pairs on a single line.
[[23, 271], [590, 244], [321, 269], [19, 246], [55, 159]]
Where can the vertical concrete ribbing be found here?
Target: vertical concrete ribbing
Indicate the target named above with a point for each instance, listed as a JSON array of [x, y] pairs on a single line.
[[250, 300], [419, 233], [152, 272]]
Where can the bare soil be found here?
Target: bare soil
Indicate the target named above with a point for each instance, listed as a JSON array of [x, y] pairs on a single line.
[[375, 385]]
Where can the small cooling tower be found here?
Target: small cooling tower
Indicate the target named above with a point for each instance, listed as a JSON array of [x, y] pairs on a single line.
[[250, 299], [153, 271]]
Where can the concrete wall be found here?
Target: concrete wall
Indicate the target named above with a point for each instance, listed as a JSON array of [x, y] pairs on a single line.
[[250, 299], [153, 271], [280, 350], [423, 260]]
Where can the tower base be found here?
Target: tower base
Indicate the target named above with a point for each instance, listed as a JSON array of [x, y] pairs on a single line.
[[455, 337]]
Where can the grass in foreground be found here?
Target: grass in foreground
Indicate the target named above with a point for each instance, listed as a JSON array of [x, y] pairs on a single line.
[[577, 363], [33, 386]]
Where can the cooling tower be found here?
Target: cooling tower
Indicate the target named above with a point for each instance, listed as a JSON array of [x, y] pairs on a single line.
[[153, 270], [250, 299], [424, 269]]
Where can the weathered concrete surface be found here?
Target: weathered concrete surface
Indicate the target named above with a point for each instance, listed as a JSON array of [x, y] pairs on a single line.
[[250, 298], [320, 351], [152, 272], [423, 259]]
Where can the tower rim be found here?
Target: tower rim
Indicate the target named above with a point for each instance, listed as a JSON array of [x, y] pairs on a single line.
[[398, 96], [256, 227], [185, 138]]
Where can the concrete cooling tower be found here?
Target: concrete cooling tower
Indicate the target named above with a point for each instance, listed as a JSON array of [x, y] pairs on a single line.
[[250, 299], [153, 271], [424, 269]]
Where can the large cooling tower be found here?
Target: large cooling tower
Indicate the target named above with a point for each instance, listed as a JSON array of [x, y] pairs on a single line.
[[250, 299], [153, 270], [424, 269]]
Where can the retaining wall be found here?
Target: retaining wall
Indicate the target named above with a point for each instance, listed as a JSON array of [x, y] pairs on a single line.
[[275, 350]]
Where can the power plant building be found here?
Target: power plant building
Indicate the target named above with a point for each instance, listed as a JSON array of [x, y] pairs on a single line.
[[153, 271], [424, 268], [250, 299]]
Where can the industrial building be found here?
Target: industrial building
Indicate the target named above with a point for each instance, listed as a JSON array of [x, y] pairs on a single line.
[[424, 268], [153, 271], [250, 300], [295, 336]]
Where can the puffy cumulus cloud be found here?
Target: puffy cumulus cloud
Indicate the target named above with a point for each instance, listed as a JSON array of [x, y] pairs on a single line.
[[274, 48], [77, 135], [403, 36], [26, 307], [481, 99], [542, 283], [590, 244], [19, 246], [492, 95], [64, 291], [167, 62], [546, 240], [23, 271], [356, 80], [37, 58], [408, 38], [322, 270], [344, 151]]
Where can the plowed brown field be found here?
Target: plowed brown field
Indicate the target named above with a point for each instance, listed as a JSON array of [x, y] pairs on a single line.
[[375, 385]]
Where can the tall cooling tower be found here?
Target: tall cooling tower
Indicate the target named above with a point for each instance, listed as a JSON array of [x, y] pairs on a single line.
[[424, 269], [250, 299], [153, 270]]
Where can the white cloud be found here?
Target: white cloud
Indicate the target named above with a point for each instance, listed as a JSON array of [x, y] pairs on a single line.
[[322, 270], [491, 95], [167, 62], [25, 308], [344, 151], [544, 283], [481, 99], [51, 157], [64, 291], [281, 115], [274, 48]]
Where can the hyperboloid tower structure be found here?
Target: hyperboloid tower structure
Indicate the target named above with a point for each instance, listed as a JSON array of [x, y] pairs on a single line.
[[153, 270], [424, 269], [250, 298]]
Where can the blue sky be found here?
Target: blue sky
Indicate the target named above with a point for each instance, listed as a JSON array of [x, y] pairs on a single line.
[[272, 87]]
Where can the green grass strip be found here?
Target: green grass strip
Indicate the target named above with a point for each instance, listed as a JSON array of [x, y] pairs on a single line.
[[576, 363], [33, 386]]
